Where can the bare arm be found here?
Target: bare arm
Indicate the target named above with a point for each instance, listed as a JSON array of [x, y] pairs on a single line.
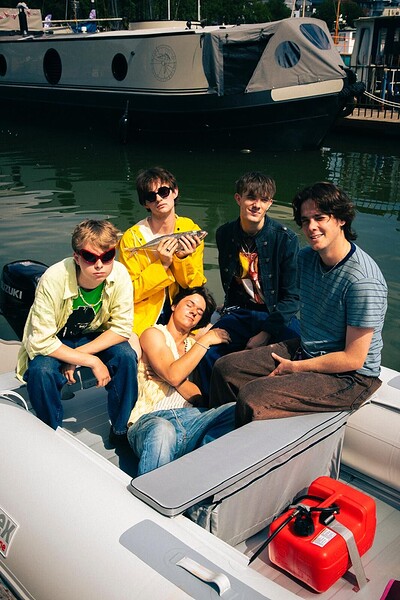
[[358, 341], [162, 361]]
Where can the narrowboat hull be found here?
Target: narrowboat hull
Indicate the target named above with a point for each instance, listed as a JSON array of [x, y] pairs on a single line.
[[182, 80]]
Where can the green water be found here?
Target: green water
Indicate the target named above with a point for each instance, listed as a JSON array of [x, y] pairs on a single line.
[[51, 179]]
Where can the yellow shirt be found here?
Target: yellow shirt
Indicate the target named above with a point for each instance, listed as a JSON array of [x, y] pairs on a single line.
[[151, 281]]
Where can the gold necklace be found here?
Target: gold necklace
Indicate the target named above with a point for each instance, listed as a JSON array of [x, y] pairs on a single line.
[[88, 303]]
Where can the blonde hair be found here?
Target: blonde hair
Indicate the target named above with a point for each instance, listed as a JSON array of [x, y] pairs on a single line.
[[101, 234]]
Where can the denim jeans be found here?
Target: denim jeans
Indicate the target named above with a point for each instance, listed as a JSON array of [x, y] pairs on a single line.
[[45, 381], [241, 324], [160, 437]]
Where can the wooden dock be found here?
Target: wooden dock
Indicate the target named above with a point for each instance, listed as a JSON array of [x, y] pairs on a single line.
[[367, 119]]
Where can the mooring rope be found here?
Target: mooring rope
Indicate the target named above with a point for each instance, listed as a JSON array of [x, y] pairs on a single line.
[[382, 101]]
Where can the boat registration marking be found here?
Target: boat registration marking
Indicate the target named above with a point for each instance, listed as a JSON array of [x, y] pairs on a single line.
[[8, 528]]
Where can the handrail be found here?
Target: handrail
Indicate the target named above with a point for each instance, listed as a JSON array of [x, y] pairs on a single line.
[[13, 396], [82, 20]]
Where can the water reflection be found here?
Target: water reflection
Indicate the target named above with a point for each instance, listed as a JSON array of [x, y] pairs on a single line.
[[50, 182]]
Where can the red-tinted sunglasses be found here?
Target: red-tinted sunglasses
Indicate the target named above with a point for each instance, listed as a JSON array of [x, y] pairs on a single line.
[[162, 191], [92, 258]]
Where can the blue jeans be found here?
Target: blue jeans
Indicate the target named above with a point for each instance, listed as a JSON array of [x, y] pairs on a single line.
[[45, 381], [159, 437], [241, 324]]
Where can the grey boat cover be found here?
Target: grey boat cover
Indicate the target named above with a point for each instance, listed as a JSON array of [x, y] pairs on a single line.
[[254, 58], [236, 485]]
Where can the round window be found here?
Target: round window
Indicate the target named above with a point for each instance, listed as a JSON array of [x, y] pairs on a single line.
[[52, 66], [287, 54], [316, 36], [119, 67]]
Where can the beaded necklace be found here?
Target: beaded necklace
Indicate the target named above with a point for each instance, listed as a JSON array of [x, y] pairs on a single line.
[[88, 303]]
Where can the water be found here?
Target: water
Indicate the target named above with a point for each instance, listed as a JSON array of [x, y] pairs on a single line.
[[51, 178]]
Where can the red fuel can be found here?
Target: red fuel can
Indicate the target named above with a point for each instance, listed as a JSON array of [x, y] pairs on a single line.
[[321, 558]]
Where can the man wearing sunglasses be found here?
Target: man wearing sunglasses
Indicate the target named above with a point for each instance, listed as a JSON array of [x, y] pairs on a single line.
[[158, 274], [82, 315]]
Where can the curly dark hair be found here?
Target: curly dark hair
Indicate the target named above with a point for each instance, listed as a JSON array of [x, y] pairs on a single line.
[[211, 305], [330, 200]]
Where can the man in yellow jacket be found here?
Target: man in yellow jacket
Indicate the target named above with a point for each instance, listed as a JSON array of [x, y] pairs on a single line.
[[157, 273]]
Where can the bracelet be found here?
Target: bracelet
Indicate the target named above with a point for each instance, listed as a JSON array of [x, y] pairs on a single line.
[[202, 345]]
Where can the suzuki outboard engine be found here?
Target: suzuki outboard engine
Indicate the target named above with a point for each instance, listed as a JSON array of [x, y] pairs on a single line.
[[17, 290]]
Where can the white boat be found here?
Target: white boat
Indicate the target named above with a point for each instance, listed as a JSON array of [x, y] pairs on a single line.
[[375, 59], [281, 83], [76, 523]]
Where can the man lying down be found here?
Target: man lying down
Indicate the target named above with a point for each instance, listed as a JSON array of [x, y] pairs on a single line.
[[168, 420]]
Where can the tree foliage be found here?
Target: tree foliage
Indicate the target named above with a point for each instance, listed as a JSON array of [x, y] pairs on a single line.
[[348, 10], [212, 11]]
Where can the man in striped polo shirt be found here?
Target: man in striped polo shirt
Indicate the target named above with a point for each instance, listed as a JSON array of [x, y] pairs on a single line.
[[335, 364]]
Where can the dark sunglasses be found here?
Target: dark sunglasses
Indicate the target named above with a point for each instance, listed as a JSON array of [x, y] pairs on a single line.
[[92, 258], [163, 191]]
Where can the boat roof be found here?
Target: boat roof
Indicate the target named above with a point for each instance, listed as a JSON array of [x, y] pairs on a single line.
[[289, 52]]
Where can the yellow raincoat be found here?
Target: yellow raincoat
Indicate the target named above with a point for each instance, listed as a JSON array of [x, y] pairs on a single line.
[[150, 279]]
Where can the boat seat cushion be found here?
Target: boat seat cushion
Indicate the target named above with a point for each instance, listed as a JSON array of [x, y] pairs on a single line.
[[372, 439], [237, 484]]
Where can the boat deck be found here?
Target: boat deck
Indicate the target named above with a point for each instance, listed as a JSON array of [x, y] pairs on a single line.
[[85, 417], [367, 119]]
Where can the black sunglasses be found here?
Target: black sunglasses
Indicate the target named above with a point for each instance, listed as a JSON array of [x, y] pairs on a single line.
[[163, 191], [92, 258]]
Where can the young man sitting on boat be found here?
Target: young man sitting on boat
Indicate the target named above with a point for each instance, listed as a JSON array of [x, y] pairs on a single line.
[[158, 273], [335, 364], [165, 422], [82, 315], [258, 267]]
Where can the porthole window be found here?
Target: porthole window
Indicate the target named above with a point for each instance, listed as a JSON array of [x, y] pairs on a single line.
[[3, 65], [119, 67], [52, 66], [316, 36], [287, 54]]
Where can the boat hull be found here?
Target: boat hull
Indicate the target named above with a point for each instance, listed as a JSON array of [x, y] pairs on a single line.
[[69, 528], [157, 81]]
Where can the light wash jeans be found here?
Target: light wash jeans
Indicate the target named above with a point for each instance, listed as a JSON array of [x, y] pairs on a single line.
[[45, 381], [159, 437]]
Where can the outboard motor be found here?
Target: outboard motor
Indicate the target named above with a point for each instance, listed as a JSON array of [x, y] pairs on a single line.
[[18, 284]]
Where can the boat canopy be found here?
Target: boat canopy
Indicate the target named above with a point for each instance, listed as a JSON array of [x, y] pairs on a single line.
[[253, 58]]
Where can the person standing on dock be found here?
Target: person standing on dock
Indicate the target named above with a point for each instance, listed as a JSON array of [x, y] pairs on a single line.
[[157, 275], [82, 315], [335, 363], [258, 267]]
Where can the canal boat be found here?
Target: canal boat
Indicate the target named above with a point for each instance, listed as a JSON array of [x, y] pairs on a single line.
[[281, 84], [76, 522]]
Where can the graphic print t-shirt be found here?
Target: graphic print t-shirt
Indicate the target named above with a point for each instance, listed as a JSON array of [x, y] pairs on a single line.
[[83, 312], [245, 286]]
